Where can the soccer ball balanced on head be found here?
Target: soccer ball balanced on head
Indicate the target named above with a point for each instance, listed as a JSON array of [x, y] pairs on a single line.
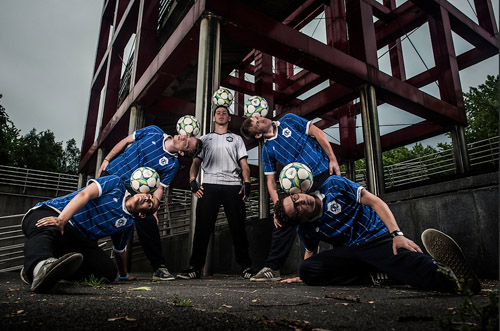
[[188, 125], [296, 178], [222, 97], [256, 106], [144, 180]]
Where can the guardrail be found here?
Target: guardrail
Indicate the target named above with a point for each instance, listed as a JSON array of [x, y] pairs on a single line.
[[482, 153], [25, 178]]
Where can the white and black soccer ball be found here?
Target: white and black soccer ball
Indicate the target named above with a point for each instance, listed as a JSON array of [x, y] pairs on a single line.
[[296, 177], [222, 97], [256, 106], [144, 180], [188, 125]]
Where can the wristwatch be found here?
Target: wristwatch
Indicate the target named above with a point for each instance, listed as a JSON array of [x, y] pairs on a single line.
[[396, 233]]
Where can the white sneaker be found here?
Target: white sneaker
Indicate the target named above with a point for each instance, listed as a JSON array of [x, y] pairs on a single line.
[[265, 275]]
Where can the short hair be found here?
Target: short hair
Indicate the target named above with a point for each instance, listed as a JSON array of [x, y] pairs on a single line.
[[279, 212], [197, 149], [247, 130]]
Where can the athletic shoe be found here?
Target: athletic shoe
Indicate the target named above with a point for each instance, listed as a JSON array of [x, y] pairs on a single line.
[[248, 273], [162, 273], [380, 279], [446, 251], [53, 270], [24, 277], [190, 273], [266, 274]]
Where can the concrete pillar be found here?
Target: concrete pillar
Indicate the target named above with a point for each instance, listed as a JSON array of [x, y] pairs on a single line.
[[137, 119], [371, 135], [207, 82], [100, 157], [82, 180], [350, 170], [460, 153]]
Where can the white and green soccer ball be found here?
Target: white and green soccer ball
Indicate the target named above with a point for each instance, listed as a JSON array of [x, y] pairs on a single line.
[[296, 178], [222, 97], [144, 180], [256, 106], [188, 125]]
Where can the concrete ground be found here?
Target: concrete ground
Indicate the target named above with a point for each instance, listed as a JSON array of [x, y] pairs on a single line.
[[225, 303]]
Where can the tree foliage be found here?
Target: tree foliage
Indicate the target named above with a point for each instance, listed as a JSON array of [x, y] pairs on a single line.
[[481, 105], [35, 150]]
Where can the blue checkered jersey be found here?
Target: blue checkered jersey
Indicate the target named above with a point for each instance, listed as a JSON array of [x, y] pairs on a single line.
[[344, 221], [103, 216], [293, 144], [147, 150]]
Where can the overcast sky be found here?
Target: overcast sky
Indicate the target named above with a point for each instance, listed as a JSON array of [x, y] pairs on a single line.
[[47, 54]]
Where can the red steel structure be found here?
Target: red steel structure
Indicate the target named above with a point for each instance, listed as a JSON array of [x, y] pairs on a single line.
[[262, 40]]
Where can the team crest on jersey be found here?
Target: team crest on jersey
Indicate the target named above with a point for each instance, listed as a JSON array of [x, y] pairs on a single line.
[[163, 161], [287, 133], [121, 222], [334, 207], [229, 139]]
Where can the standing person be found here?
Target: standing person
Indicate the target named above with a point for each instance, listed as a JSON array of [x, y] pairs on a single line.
[[223, 160], [366, 238], [150, 147], [63, 232], [291, 139]]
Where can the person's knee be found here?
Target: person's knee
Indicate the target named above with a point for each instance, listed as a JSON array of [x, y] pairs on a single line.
[[305, 272]]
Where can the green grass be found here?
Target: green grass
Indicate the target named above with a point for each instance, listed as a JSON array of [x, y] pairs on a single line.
[[92, 281], [178, 302]]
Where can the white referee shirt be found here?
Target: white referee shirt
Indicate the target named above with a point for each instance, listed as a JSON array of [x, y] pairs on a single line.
[[220, 157]]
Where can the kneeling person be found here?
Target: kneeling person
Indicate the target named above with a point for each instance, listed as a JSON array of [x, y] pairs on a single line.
[[365, 239], [63, 232]]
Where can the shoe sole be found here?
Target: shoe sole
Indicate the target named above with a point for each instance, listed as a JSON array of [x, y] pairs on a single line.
[[159, 279], [63, 267], [186, 277], [445, 250]]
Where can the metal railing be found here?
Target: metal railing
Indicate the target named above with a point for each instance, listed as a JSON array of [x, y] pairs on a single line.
[[29, 178], [481, 154]]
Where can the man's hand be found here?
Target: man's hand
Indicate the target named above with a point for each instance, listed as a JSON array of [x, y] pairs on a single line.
[[292, 280], [333, 168], [245, 190], [103, 167], [196, 188], [52, 220], [276, 223], [403, 242]]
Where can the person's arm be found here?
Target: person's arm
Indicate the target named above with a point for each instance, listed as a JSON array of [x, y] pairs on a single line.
[[159, 195], [320, 136], [193, 172], [245, 173], [114, 152], [385, 214], [273, 193], [121, 263], [80, 200]]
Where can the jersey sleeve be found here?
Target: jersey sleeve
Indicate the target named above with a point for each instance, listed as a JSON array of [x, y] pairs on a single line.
[[268, 161], [241, 150], [120, 240], [345, 186], [168, 174], [106, 184], [310, 243]]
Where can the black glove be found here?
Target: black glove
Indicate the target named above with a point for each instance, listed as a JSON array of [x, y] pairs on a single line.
[[194, 186], [245, 189]]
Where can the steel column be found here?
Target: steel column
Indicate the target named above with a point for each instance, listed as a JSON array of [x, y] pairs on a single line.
[[371, 135], [460, 153], [207, 81]]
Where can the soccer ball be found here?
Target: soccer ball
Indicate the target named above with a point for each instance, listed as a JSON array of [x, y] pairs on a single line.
[[296, 178], [222, 97], [188, 125], [144, 180], [256, 106]]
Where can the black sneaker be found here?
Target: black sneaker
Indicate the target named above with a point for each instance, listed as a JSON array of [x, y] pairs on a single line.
[[446, 251], [162, 274], [265, 275], [380, 279], [190, 273], [53, 270], [248, 273]]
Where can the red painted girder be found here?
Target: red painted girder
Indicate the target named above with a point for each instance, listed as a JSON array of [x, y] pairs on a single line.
[[460, 23], [239, 85], [308, 81], [257, 30], [173, 57], [486, 16], [171, 106]]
